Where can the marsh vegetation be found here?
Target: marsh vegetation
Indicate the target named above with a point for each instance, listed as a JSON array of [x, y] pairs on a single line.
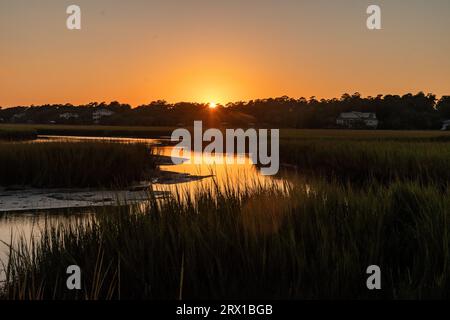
[[311, 240], [351, 199], [74, 164], [14, 133]]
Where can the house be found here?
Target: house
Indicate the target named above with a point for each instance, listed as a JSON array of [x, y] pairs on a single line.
[[97, 115], [357, 120], [67, 116], [18, 116], [445, 125]]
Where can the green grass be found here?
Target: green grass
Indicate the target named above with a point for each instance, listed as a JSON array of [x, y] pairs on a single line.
[[314, 242], [74, 164]]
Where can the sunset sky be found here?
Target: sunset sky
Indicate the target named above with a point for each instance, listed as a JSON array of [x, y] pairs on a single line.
[[137, 51]]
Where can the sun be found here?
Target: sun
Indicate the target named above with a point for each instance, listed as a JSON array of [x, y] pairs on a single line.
[[212, 105]]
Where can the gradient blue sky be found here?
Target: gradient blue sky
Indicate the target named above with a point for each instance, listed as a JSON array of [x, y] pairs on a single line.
[[137, 51]]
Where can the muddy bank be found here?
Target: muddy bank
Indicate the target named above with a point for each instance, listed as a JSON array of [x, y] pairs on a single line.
[[46, 199], [29, 199]]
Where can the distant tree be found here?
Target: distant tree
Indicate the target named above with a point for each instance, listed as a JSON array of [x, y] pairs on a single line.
[[410, 111], [443, 107]]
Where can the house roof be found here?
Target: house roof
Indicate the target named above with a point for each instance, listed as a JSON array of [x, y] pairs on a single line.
[[357, 115]]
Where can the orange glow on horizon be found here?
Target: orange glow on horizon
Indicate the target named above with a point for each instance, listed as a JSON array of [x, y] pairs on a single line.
[[190, 51]]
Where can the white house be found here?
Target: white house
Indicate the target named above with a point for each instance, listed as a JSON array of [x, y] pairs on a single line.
[[18, 115], [68, 116], [97, 115], [357, 120]]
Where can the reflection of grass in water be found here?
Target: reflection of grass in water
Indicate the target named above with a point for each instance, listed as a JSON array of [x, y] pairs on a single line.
[[74, 164], [314, 241]]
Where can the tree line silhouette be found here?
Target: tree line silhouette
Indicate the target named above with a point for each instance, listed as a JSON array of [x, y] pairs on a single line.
[[407, 112]]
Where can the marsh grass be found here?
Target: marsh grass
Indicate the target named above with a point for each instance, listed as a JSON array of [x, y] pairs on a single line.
[[92, 130], [312, 240], [369, 162], [74, 164], [365, 135], [11, 133]]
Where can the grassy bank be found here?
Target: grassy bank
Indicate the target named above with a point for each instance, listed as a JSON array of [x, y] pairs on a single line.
[[315, 242], [370, 161], [365, 135], [95, 131], [13, 133], [298, 134], [74, 164]]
